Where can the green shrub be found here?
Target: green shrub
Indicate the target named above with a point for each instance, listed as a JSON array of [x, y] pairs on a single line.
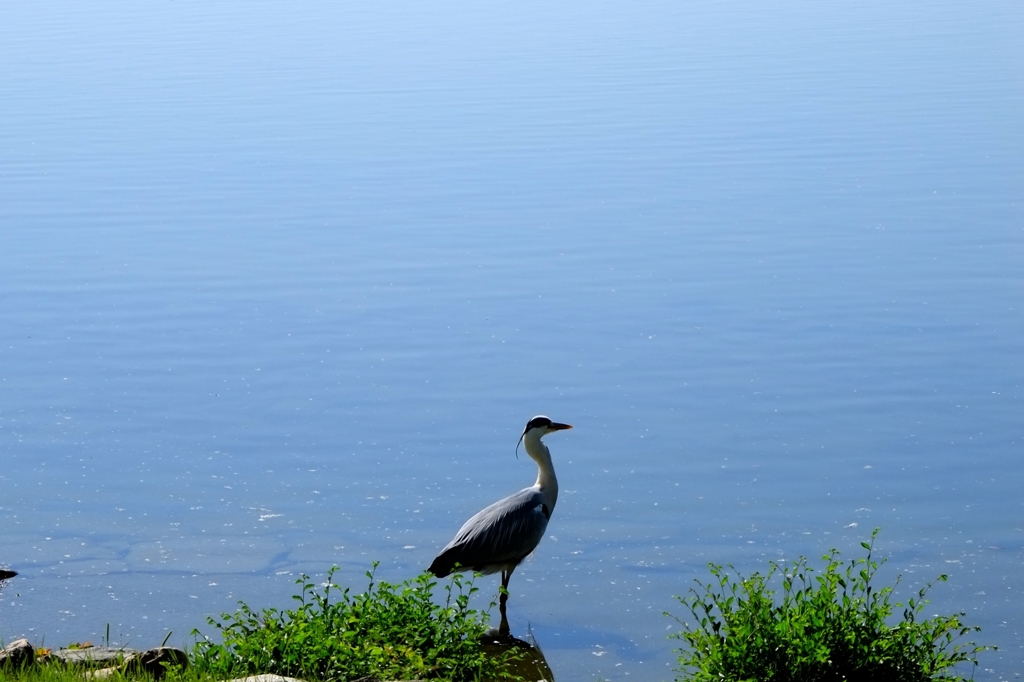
[[831, 625], [387, 632]]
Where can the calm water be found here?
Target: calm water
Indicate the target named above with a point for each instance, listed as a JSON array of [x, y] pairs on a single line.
[[280, 285]]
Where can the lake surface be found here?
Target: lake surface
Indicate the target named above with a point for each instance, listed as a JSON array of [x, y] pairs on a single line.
[[280, 286]]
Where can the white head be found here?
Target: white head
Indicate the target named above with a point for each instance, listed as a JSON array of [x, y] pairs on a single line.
[[538, 427]]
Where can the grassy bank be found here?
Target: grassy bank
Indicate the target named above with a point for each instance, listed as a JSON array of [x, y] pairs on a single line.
[[794, 623], [388, 632]]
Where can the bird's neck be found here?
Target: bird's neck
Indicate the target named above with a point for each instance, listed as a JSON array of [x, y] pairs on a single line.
[[546, 481]]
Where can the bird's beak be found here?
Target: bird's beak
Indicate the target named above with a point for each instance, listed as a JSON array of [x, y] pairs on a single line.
[[559, 427]]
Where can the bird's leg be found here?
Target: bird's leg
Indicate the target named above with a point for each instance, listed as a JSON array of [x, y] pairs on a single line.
[[503, 630]]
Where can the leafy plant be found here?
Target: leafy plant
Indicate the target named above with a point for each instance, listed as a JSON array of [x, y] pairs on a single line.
[[387, 632], [832, 625]]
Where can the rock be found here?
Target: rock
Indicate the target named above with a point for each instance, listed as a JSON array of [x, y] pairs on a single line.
[[93, 656], [154, 662], [6, 573], [151, 662], [17, 654]]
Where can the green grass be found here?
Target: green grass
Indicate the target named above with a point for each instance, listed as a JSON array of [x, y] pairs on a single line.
[[793, 624], [388, 632], [41, 673], [61, 673], [827, 625]]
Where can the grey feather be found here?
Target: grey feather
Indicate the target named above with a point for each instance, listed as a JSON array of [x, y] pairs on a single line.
[[497, 537]]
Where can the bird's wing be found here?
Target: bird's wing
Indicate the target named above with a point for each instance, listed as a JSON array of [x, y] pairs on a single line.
[[506, 531]]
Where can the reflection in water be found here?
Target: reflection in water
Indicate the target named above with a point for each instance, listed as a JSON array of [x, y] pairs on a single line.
[[529, 664], [5, 575]]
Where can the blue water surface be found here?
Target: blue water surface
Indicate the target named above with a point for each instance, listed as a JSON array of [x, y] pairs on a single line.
[[280, 284]]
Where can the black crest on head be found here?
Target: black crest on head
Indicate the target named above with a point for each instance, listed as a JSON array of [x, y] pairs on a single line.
[[537, 422]]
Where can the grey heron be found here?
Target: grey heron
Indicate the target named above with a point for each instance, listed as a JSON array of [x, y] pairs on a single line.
[[500, 536]]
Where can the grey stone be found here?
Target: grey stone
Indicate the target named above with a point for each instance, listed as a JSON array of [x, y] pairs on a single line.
[[93, 656], [155, 661], [17, 654]]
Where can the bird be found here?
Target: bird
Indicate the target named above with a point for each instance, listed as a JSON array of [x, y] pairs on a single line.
[[500, 536]]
